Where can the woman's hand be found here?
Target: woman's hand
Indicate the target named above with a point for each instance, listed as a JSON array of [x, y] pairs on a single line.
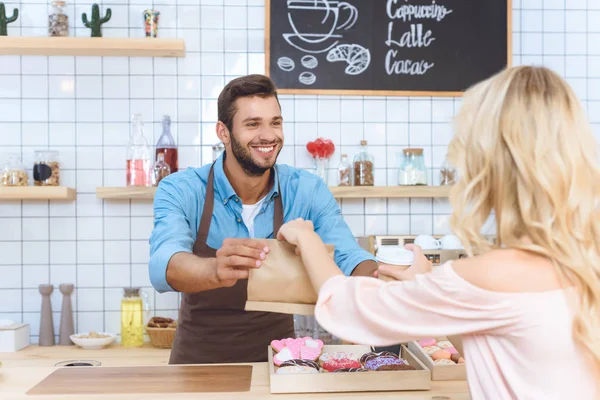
[[421, 265], [293, 231]]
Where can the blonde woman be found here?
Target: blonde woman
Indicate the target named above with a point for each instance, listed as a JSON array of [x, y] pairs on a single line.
[[528, 309]]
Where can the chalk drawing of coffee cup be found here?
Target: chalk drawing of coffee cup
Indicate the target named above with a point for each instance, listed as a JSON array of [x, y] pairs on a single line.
[[302, 15]]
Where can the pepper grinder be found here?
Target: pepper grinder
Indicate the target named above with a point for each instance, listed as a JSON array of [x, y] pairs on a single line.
[[46, 324], [66, 315]]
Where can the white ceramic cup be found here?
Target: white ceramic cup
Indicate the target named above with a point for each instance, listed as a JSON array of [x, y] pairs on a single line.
[[395, 256], [451, 242], [427, 242]]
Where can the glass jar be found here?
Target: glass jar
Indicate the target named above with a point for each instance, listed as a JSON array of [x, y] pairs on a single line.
[[134, 316], [344, 172], [13, 172], [363, 166], [447, 174], [46, 168], [166, 145], [160, 170], [217, 150], [58, 20], [412, 170]]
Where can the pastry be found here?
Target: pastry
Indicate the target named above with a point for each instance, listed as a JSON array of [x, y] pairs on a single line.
[[284, 355], [444, 343], [451, 350], [368, 356], [427, 342], [302, 363], [441, 354], [385, 364], [333, 361], [431, 349], [461, 360], [297, 369], [160, 322], [444, 361], [351, 370], [455, 357]]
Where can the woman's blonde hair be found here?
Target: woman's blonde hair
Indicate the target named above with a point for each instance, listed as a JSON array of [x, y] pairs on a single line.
[[524, 149]]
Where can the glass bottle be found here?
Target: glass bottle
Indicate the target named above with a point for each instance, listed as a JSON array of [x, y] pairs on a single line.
[[134, 313], [160, 170], [447, 174], [58, 20], [138, 155], [13, 172], [363, 166], [166, 145], [412, 171], [344, 172], [46, 168], [217, 150]]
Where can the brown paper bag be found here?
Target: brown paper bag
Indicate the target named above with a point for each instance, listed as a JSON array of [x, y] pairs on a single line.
[[281, 284]]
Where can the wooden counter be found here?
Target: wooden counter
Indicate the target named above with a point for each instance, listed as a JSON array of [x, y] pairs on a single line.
[[22, 370]]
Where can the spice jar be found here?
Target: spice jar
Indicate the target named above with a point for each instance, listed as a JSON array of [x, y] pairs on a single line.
[[13, 172], [46, 169], [58, 20], [447, 174], [363, 166], [412, 171], [344, 171]]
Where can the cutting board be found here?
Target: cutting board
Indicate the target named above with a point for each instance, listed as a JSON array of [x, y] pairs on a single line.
[[159, 379]]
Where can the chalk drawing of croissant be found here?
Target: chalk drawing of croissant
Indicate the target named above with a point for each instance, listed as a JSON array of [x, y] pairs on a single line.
[[357, 57]]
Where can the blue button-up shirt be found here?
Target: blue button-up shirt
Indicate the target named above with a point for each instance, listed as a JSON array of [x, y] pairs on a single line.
[[179, 201]]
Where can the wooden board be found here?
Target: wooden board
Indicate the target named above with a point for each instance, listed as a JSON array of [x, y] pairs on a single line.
[[378, 47], [339, 192], [37, 193], [379, 381], [169, 379], [88, 46], [440, 372]]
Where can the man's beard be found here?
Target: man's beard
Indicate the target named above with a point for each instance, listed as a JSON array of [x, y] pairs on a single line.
[[244, 157]]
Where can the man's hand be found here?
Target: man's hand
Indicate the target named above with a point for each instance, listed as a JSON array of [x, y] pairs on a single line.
[[236, 257], [420, 265]]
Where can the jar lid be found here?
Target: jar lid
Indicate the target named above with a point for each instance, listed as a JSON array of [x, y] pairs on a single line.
[[131, 291], [363, 142], [59, 3], [415, 151]]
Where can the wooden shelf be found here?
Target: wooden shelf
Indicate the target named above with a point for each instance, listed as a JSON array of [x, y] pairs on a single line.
[[362, 192], [88, 46], [339, 192], [37, 193], [123, 193]]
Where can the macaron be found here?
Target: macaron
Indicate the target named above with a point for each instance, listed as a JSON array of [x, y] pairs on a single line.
[[431, 349], [444, 344], [450, 350], [427, 342], [441, 355]]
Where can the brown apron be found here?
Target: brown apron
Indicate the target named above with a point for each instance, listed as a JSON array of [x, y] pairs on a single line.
[[213, 326]]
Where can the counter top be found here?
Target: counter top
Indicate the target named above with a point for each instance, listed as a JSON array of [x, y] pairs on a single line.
[[24, 369]]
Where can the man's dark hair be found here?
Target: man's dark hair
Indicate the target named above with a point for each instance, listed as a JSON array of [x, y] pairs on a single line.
[[245, 86]]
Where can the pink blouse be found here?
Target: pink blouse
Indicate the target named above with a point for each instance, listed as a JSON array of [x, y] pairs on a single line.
[[517, 345]]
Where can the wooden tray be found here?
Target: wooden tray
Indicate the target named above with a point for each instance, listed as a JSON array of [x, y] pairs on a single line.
[[138, 379], [376, 381], [440, 372]]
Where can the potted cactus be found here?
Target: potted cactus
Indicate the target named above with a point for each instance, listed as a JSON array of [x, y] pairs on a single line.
[[5, 21], [96, 23]]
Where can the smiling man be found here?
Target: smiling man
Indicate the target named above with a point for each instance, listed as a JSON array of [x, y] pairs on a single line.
[[209, 223]]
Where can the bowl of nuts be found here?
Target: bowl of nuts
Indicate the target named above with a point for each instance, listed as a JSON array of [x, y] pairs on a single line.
[[93, 340]]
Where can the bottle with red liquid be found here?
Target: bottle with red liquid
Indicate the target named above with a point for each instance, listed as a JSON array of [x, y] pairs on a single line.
[[166, 145], [138, 155]]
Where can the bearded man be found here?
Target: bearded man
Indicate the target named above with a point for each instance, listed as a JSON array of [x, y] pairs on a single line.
[[209, 223]]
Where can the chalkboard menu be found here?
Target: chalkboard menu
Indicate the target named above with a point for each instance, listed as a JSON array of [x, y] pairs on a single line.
[[386, 47]]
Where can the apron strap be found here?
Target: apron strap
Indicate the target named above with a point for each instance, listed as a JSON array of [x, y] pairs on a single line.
[[207, 211], [278, 212]]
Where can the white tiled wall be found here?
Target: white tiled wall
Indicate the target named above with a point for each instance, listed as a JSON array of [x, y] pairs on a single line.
[[81, 106]]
